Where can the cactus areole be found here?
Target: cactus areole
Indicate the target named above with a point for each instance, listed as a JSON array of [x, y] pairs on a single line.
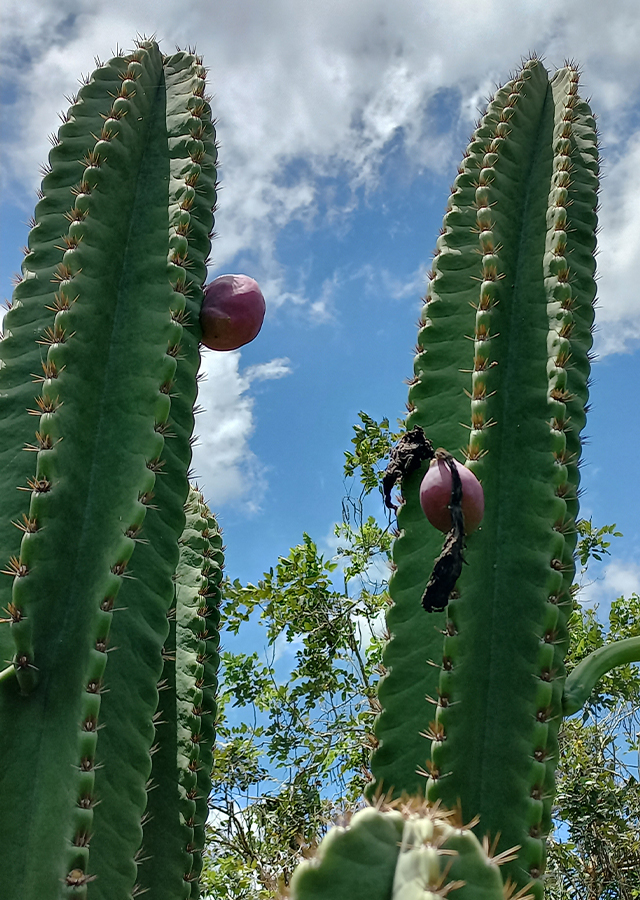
[[435, 496], [232, 312]]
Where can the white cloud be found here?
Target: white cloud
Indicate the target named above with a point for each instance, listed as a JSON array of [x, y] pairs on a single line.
[[382, 282], [322, 309], [222, 459], [284, 651], [275, 368], [618, 315], [619, 578]]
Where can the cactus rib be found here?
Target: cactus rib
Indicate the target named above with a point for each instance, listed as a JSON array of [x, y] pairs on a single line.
[[438, 404], [140, 624]]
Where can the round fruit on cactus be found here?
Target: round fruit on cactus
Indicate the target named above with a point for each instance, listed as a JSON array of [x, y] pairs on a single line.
[[232, 312], [435, 496]]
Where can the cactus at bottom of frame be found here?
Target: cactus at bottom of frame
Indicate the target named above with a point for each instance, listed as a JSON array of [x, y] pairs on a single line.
[[408, 850], [503, 353]]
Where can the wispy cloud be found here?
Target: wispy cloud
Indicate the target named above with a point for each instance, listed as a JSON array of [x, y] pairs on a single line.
[[275, 368], [223, 460], [382, 282]]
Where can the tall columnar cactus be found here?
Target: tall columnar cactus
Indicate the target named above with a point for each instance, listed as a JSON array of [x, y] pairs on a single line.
[[111, 580], [501, 378], [97, 384], [474, 695]]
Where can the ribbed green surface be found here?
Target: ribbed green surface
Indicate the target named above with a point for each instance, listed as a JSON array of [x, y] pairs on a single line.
[[178, 802], [140, 626], [128, 201], [504, 348], [439, 404], [208, 624], [32, 312], [501, 683], [165, 837]]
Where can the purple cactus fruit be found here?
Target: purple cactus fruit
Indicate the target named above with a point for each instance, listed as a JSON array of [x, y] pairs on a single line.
[[232, 312], [435, 496]]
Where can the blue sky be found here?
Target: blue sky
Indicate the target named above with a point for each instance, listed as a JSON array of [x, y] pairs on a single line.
[[341, 127]]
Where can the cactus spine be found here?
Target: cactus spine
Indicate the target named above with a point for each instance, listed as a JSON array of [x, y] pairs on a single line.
[[176, 812], [517, 246], [103, 330]]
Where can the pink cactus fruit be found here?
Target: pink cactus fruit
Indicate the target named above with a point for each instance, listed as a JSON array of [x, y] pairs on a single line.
[[232, 312], [435, 496]]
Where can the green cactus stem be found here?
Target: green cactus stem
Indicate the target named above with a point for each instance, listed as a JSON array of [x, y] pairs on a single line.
[[177, 808], [411, 852], [504, 347], [583, 679], [99, 356]]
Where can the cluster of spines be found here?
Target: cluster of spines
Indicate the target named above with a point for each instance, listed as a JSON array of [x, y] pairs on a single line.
[[191, 655], [482, 388], [128, 71], [192, 196], [471, 193], [209, 622], [436, 403], [471, 190], [191, 138], [478, 172], [454, 235], [54, 336], [58, 333], [44, 264], [464, 195], [189, 158], [48, 246]]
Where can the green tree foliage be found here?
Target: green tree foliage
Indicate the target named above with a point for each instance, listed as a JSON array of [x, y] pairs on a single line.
[[295, 722], [598, 792]]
